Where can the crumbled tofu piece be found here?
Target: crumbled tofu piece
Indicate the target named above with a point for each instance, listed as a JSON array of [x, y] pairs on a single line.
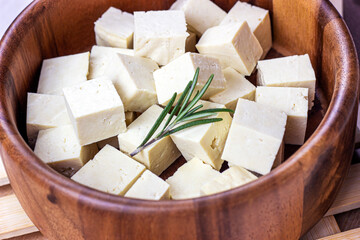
[[258, 20], [44, 111], [160, 35], [294, 102], [190, 42], [95, 110], [207, 141], [255, 136], [188, 179], [134, 81], [115, 29], [60, 72], [200, 14], [149, 186], [237, 86], [59, 148], [156, 157], [110, 171], [233, 44], [231, 178], [293, 71], [100, 58], [176, 75]]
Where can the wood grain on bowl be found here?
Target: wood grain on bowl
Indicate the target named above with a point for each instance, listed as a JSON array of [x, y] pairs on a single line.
[[294, 196]]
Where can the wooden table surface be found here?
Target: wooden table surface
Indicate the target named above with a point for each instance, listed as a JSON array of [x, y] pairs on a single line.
[[345, 221]]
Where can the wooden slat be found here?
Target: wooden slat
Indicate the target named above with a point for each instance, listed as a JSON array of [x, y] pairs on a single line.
[[13, 220], [353, 234], [3, 177], [348, 197], [325, 227]]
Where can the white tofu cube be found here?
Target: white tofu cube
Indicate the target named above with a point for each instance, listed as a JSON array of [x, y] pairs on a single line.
[[207, 141], [190, 42], [44, 111], [255, 136], [292, 101], [293, 71], [59, 148], [112, 141], [115, 29], [188, 179], [160, 35], [60, 72], [110, 171], [149, 186], [237, 86], [176, 75], [231, 178], [129, 117], [100, 57], [233, 44], [134, 81], [158, 156], [258, 20], [96, 110], [200, 14]]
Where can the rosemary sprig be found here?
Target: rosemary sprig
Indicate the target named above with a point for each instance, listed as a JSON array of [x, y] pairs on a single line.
[[186, 111]]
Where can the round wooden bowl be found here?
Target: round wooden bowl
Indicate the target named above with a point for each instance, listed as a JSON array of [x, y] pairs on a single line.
[[281, 205]]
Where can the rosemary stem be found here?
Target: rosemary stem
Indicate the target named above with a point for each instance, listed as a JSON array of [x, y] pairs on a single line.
[[139, 149]]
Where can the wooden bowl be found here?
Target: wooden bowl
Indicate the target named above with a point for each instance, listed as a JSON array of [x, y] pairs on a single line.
[[281, 205]]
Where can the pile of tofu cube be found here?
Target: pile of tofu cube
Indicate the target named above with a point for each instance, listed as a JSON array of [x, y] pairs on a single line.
[[92, 109]]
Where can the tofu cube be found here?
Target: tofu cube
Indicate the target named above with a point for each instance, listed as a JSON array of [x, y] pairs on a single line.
[[129, 117], [158, 156], [149, 186], [237, 86], [188, 179], [100, 58], [176, 75], [115, 29], [292, 101], [200, 14], [258, 20], [60, 72], [231, 178], [59, 148], [44, 111], [293, 71], [207, 141], [95, 110], [234, 45], [110, 171], [112, 141], [160, 35], [255, 136], [190, 42], [134, 81]]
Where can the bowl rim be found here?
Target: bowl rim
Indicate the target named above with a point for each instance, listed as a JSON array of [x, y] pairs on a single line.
[[39, 171]]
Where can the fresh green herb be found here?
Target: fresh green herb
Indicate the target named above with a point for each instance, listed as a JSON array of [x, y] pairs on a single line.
[[186, 111]]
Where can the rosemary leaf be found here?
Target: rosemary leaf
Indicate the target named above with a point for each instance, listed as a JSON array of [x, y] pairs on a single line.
[[178, 104], [159, 120], [196, 116], [193, 110], [196, 98], [188, 95], [193, 123], [215, 110]]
